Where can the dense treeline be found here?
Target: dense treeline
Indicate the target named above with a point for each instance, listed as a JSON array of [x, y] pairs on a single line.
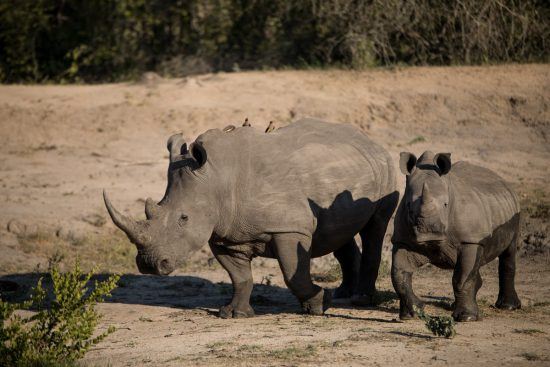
[[106, 40]]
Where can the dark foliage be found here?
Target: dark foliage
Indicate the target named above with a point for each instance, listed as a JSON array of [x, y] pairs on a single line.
[[106, 40]]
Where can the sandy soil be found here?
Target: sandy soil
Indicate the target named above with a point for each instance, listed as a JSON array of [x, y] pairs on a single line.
[[61, 145]]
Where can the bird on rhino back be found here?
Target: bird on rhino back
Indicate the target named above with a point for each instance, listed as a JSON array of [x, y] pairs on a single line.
[[300, 191], [456, 216]]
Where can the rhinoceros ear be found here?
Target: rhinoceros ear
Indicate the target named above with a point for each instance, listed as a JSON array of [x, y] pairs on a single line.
[[407, 162], [176, 146], [198, 153], [443, 162]]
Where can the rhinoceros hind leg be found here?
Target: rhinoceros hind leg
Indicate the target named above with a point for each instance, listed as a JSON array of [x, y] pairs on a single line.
[[293, 251], [372, 239], [466, 283], [349, 258], [507, 296], [237, 265]]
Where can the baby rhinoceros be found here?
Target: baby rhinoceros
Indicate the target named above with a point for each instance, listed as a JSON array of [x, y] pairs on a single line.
[[455, 217]]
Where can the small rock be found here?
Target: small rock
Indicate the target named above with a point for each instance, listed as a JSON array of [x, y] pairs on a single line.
[[16, 227], [150, 78]]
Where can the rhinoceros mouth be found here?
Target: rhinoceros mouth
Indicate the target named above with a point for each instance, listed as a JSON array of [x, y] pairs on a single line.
[[429, 234], [428, 224], [163, 267]]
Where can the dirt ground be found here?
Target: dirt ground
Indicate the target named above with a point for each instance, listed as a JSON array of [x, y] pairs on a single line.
[[60, 145]]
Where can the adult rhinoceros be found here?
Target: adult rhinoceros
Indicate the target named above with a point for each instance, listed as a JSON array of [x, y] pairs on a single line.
[[302, 191]]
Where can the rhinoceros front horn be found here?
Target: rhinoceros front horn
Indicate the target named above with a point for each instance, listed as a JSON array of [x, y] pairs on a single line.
[[426, 194], [428, 205], [128, 225]]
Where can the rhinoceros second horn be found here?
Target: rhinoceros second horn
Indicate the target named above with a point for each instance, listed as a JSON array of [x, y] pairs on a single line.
[[151, 209]]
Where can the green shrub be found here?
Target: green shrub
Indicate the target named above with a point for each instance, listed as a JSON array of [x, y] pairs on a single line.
[[59, 334], [438, 325]]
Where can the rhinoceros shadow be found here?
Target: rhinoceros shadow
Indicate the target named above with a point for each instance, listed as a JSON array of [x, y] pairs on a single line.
[[344, 201], [191, 292], [182, 292]]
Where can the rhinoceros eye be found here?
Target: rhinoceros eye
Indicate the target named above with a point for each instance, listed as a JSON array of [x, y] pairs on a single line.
[[183, 219], [446, 205]]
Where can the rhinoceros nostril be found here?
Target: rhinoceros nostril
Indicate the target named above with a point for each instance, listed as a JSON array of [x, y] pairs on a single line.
[[143, 266], [165, 267]]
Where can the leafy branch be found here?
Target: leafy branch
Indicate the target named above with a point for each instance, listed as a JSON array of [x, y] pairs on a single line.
[[59, 334], [438, 325]]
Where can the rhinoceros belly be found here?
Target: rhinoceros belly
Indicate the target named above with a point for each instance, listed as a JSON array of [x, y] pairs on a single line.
[[502, 237], [337, 226]]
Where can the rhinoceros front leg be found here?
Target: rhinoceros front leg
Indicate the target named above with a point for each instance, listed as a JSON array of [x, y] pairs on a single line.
[[404, 263], [466, 282], [293, 251], [237, 265]]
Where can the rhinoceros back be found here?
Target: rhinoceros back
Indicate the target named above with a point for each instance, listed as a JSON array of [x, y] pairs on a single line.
[[484, 201], [305, 175]]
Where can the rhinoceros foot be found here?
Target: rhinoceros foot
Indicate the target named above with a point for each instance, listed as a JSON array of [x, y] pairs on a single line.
[[510, 303], [408, 312], [363, 300], [229, 311], [318, 304], [466, 316], [343, 291]]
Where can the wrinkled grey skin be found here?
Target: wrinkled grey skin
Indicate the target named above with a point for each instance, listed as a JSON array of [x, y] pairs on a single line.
[[302, 191], [459, 218]]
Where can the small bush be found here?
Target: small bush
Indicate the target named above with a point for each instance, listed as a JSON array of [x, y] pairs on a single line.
[[438, 325], [57, 335], [539, 210]]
